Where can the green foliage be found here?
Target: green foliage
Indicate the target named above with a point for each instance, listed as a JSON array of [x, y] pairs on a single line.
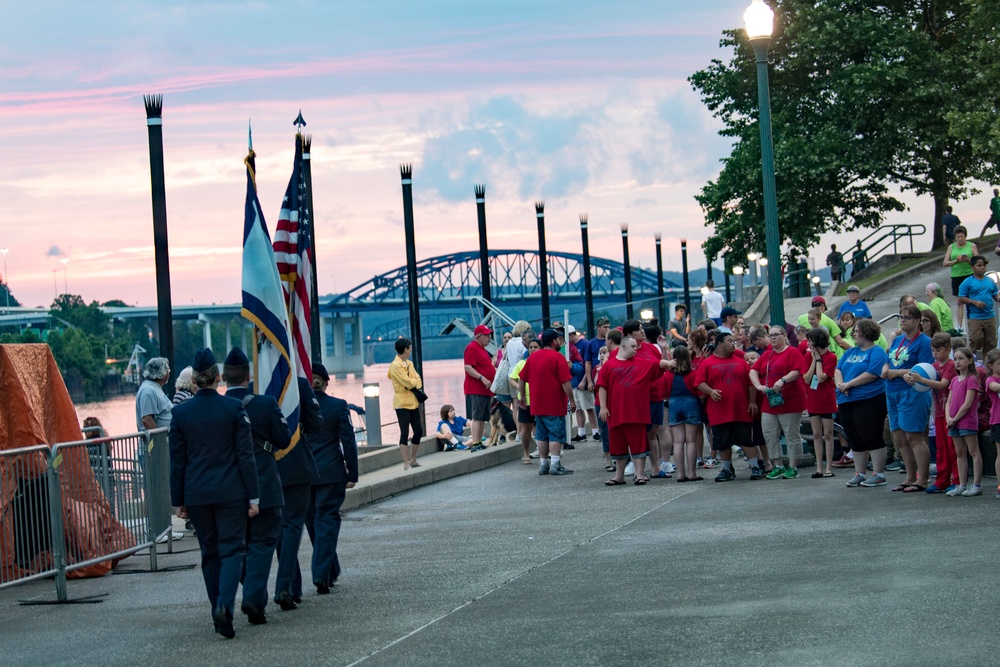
[[866, 96], [6, 294]]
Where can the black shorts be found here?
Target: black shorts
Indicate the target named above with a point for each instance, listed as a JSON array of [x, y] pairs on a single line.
[[824, 415], [995, 432], [861, 421], [956, 283], [732, 433], [478, 407], [758, 434], [524, 416]]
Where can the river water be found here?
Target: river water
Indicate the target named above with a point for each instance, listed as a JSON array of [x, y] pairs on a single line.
[[443, 379]]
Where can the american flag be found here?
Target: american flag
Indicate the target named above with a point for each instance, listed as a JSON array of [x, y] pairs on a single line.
[[294, 255]]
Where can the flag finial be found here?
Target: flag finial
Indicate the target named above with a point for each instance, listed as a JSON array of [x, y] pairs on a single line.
[[299, 122], [249, 135]]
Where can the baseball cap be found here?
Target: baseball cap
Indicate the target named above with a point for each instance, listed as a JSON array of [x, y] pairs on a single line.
[[548, 336], [853, 288], [818, 299], [729, 311], [483, 330], [601, 321], [571, 330]]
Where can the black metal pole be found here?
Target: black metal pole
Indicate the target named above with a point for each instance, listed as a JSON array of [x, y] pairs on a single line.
[[659, 281], [628, 272], [687, 280], [543, 265], [484, 251], [725, 272], [406, 172], [588, 288], [708, 271], [314, 327], [164, 308]]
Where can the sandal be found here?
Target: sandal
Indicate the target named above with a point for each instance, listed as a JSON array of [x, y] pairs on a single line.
[[914, 488], [900, 487], [610, 468], [817, 475], [683, 479], [828, 474], [614, 482], [526, 460], [639, 481]]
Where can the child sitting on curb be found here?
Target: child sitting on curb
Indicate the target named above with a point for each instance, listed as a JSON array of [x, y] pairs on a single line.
[[450, 429]]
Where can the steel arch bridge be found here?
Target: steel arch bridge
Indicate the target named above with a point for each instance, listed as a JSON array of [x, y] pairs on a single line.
[[514, 277]]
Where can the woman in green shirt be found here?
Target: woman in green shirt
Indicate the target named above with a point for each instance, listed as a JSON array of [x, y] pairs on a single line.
[[957, 257], [939, 306]]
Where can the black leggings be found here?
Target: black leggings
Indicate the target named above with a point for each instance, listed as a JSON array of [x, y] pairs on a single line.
[[409, 419]]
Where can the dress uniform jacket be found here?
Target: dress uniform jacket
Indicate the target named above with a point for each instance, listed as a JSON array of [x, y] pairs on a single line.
[[334, 447], [211, 452], [269, 429], [296, 465]]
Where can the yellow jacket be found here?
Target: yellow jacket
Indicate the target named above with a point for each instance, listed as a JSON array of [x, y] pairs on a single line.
[[404, 378]]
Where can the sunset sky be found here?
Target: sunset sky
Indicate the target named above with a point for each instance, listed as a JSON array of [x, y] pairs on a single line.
[[583, 104]]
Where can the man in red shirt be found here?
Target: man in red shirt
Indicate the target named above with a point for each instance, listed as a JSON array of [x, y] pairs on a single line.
[[732, 403], [479, 374], [623, 385], [548, 373]]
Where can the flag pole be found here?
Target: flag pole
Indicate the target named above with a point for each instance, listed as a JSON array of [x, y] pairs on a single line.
[[252, 168]]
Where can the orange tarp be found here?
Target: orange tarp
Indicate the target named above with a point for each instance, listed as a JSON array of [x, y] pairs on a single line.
[[36, 409]]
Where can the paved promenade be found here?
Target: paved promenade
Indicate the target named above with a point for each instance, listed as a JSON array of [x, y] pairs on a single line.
[[503, 567]]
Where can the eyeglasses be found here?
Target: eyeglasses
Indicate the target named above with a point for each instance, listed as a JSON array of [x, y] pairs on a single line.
[[925, 319], [776, 334], [906, 318]]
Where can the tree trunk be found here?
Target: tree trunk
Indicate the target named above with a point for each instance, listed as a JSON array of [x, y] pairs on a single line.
[[940, 202]]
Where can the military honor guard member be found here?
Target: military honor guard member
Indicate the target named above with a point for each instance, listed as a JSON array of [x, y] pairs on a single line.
[[213, 481], [270, 434]]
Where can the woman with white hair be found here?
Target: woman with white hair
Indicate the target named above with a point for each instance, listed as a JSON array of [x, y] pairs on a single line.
[[184, 387], [940, 307]]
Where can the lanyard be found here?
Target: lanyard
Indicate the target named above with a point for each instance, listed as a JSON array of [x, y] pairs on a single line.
[[905, 344]]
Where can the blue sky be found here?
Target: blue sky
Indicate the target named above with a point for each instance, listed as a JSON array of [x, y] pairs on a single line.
[[582, 104]]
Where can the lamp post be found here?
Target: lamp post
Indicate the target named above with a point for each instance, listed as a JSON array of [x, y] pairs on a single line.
[[764, 275], [815, 281], [64, 261], [738, 274], [6, 278], [759, 20], [752, 257]]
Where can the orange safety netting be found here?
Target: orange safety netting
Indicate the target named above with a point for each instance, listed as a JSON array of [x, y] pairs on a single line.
[[36, 409]]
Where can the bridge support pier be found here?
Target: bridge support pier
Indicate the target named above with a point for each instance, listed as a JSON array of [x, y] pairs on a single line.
[[207, 331], [340, 356]]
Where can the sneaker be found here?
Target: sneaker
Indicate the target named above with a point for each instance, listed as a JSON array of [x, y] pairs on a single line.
[[461, 447], [449, 447], [668, 467], [700, 463], [950, 487], [710, 463], [533, 455], [858, 480], [629, 469], [478, 448], [543, 469], [596, 435], [174, 536], [518, 438], [998, 492], [725, 475], [578, 438], [559, 470], [933, 472], [777, 472], [844, 461], [878, 479], [896, 466], [973, 490], [756, 473], [958, 490], [791, 473]]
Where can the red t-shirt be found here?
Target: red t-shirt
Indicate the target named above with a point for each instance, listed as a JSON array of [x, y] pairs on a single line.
[[477, 357], [731, 376], [822, 399], [628, 386], [546, 371], [773, 366], [945, 371], [652, 352]]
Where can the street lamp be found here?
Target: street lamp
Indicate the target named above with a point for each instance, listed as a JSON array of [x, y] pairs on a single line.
[[815, 281], [752, 257], [759, 20], [65, 261], [6, 278], [764, 275], [738, 272]]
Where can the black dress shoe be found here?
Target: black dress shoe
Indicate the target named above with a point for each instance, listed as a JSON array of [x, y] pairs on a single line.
[[322, 588], [224, 622], [255, 614], [285, 601]]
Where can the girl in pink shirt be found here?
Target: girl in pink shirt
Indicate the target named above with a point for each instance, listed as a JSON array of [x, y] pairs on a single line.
[[993, 391], [963, 423]]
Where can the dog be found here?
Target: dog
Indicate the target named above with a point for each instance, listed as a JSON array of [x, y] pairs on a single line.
[[501, 422]]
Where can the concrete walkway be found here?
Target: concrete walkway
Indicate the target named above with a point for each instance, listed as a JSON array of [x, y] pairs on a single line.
[[504, 567]]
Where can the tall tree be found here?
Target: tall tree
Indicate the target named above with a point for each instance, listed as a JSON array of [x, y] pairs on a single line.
[[868, 96]]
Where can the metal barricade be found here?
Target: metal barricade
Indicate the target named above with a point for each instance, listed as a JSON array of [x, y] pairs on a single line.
[[26, 533], [81, 504]]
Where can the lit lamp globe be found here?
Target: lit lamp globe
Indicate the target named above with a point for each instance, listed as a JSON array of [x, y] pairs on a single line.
[[759, 20], [763, 261], [646, 314], [738, 270]]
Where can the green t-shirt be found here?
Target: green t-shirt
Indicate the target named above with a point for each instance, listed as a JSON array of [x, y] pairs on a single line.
[[881, 342], [515, 375], [995, 207], [940, 308], [961, 269], [831, 327]]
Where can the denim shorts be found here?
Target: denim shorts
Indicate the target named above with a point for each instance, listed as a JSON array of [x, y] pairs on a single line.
[[683, 410], [550, 429], [909, 410], [962, 432]]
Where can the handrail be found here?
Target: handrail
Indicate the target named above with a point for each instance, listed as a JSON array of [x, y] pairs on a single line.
[[892, 234], [490, 311]]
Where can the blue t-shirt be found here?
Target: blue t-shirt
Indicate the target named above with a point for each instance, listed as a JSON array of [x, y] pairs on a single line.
[[979, 289], [856, 361], [457, 427], [905, 354], [593, 354], [860, 309]]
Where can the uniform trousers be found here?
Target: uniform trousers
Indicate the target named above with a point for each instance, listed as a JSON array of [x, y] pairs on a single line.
[[324, 530], [263, 534], [293, 516], [222, 535]]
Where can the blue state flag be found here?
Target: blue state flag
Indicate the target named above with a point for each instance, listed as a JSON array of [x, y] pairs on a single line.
[[264, 305]]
